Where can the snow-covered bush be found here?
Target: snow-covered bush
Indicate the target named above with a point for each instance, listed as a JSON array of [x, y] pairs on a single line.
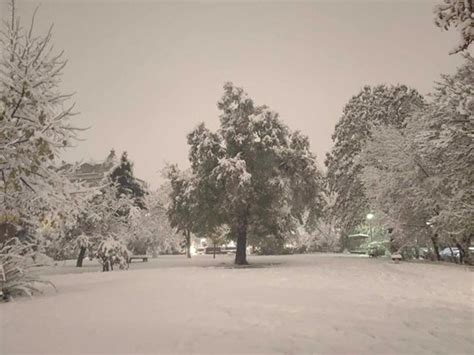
[[375, 249], [16, 260], [106, 217], [60, 249], [322, 236], [270, 245], [138, 245], [112, 252]]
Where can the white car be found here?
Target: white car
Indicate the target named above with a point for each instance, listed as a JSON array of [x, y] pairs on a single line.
[[452, 253]]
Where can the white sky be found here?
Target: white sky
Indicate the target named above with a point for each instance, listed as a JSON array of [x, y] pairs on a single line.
[[146, 73]]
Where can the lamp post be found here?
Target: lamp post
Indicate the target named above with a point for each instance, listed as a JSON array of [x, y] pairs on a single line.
[[369, 217]]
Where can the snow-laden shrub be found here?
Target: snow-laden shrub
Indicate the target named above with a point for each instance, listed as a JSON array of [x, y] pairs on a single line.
[[112, 252], [375, 249], [16, 260], [60, 249], [139, 245], [41, 259]]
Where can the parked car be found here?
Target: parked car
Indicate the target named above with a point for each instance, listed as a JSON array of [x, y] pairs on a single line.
[[213, 250], [449, 254], [452, 254]]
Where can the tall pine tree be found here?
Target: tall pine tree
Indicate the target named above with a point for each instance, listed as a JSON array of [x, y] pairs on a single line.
[[126, 182]]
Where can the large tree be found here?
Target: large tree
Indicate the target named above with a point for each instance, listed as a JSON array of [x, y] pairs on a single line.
[[381, 105], [420, 176], [397, 180], [35, 127], [37, 200], [254, 174], [458, 14], [446, 140]]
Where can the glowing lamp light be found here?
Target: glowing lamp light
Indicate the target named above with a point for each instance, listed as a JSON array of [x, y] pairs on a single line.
[[370, 216]]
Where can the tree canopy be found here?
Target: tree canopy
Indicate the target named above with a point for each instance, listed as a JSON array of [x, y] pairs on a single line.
[[458, 14], [35, 119], [122, 175], [254, 174], [372, 107], [420, 176]]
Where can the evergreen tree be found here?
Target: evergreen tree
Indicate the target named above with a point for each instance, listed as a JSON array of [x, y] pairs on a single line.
[[126, 183]]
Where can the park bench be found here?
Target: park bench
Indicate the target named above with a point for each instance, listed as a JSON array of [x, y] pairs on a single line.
[[396, 258], [143, 257], [212, 250]]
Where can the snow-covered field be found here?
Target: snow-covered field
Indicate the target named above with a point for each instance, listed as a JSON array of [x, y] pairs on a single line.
[[286, 304]]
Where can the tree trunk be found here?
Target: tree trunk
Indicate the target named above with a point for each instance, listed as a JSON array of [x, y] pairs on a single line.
[[80, 257], [453, 257], [464, 252], [241, 254], [105, 265], [214, 250], [188, 244], [434, 241], [468, 257]]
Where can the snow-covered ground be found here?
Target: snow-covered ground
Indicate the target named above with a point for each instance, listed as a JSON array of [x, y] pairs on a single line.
[[286, 304]]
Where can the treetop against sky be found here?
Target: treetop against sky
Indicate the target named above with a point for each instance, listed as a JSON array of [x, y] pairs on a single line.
[[146, 73]]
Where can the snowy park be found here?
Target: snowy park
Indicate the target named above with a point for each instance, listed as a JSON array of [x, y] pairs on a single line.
[[319, 303], [236, 177]]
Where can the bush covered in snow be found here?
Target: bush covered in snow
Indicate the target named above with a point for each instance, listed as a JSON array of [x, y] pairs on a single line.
[[16, 260], [375, 249], [112, 252]]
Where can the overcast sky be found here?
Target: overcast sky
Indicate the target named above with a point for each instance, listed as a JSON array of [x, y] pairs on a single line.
[[146, 73]]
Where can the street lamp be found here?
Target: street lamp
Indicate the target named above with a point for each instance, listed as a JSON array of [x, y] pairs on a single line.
[[369, 217]]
